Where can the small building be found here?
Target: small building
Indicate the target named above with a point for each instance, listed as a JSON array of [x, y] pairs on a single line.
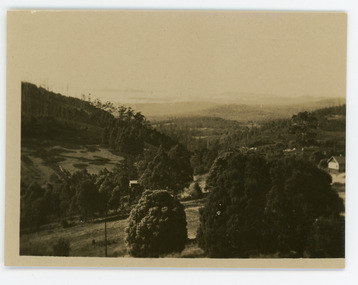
[[133, 183], [337, 164], [287, 150]]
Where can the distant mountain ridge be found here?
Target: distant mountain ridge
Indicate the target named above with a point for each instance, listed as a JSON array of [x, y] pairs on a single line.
[[267, 99], [38, 102], [238, 112], [244, 113]]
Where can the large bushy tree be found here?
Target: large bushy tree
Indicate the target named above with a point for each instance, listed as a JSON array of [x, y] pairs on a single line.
[[156, 226], [232, 219], [304, 125], [157, 173], [168, 170], [264, 207]]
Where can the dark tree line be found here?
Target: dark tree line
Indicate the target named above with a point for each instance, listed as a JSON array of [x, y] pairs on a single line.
[[88, 195], [130, 134], [79, 195]]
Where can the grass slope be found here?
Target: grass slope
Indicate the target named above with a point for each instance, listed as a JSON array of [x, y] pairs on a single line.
[[81, 236], [41, 160]]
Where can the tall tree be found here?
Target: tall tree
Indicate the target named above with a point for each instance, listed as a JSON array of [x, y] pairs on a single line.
[[170, 171], [181, 170], [157, 175], [303, 125], [87, 198], [232, 218]]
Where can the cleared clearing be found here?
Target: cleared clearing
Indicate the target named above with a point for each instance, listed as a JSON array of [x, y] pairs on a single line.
[[40, 164]]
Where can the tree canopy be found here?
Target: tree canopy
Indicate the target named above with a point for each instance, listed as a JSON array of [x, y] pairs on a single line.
[[156, 226], [168, 170]]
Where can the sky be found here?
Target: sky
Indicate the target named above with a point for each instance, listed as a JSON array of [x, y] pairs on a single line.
[[155, 56]]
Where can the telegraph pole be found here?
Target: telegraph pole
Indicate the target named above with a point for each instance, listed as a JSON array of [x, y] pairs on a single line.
[[105, 235]]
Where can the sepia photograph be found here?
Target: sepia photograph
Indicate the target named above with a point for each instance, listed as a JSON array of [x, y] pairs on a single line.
[[200, 138]]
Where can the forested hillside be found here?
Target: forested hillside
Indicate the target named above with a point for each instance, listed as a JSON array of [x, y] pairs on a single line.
[[77, 158], [50, 119], [47, 115]]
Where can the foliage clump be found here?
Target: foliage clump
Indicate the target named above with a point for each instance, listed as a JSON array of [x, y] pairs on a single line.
[[157, 225]]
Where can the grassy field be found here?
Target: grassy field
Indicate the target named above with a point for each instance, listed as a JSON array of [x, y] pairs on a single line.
[[81, 237], [41, 160], [93, 159], [87, 239]]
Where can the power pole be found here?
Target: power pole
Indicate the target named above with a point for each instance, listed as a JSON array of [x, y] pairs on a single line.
[[105, 235]]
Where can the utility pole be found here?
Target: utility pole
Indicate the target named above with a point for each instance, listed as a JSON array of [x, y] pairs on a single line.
[[105, 235]]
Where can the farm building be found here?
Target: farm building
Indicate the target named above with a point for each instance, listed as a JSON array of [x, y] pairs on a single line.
[[133, 183], [337, 163]]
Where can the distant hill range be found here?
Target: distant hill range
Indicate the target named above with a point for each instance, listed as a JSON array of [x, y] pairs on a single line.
[[278, 108], [244, 113], [82, 115]]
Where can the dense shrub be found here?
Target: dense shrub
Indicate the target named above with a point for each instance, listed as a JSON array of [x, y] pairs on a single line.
[[157, 225], [62, 247]]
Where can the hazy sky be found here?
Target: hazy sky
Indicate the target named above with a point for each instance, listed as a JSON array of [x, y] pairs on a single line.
[[142, 55]]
